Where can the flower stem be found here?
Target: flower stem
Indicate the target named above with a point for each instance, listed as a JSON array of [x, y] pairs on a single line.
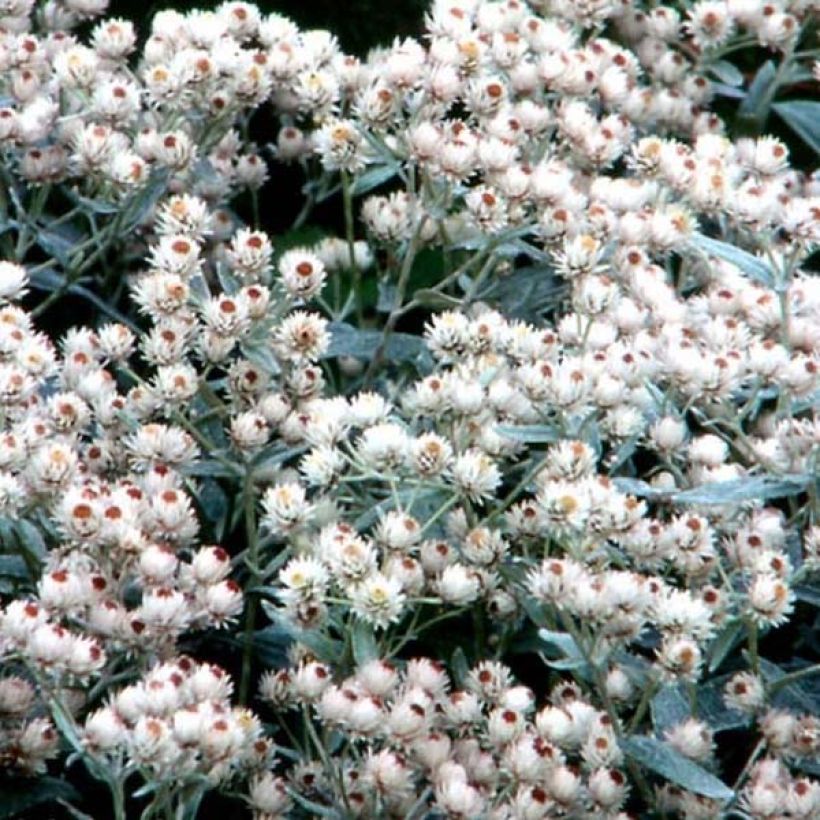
[[252, 534]]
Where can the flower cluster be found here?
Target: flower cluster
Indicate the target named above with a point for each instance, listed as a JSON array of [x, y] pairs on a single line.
[[509, 485], [177, 723]]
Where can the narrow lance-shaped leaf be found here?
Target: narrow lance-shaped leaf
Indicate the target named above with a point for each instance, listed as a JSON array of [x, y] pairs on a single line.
[[803, 117], [753, 267], [670, 764]]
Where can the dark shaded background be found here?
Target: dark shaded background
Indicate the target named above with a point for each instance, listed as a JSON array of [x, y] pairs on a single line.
[[359, 24]]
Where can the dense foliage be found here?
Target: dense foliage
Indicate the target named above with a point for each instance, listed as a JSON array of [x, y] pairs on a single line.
[[488, 487]]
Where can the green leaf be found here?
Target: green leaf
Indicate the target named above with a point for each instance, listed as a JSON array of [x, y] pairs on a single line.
[[214, 503], [429, 298], [727, 73], [712, 708], [270, 646], [668, 708], [565, 646], [525, 293], [753, 108], [749, 264], [808, 594], [13, 570], [20, 794], [401, 348], [724, 643], [326, 649], [793, 695], [670, 764], [744, 489], [373, 177], [803, 117], [460, 667], [31, 539], [364, 643], [528, 433]]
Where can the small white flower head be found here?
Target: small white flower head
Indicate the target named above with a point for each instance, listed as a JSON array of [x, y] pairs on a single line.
[[184, 214], [13, 282], [285, 508], [476, 475], [771, 600], [303, 579], [430, 455], [303, 273], [340, 146], [249, 254], [680, 658], [692, 738], [268, 795], [379, 600], [222, 602], [458, 585], [709, 24], [302, 337], [176, 150]]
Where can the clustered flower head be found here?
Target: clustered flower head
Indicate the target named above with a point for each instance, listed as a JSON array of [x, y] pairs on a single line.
[[455, 749], [178, 723], [605, 459]]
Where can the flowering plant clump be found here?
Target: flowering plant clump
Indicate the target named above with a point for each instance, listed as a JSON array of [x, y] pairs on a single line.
[[497, 497]]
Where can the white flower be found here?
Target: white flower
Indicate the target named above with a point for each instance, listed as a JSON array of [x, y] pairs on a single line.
[[285, 508], [378, 600], [13, 281], [476, 475]]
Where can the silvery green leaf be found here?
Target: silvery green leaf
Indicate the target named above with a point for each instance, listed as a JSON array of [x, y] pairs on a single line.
[[727, 72], [145, 198], [712, 708], [424, 503], [730, 91], [97, 206], [670, 764], [641, 489], [807, 594], [427, 297], [31, 539], [564, 645], [326, 649], [373, 177], [459, 667], [668, 708], [534, 610], [803, 117], [214, 469], [795, 695], [214, 504], [13, 566], [528, 433], [262, 356], [623, 453], [525, 292], [60, 241], [743, 489], [749, 264], [364, 643], [386, 297], [314, 809], [103, 305], [270, 646], [727, 639], [752, 107], [229, 283], [404, 348]]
